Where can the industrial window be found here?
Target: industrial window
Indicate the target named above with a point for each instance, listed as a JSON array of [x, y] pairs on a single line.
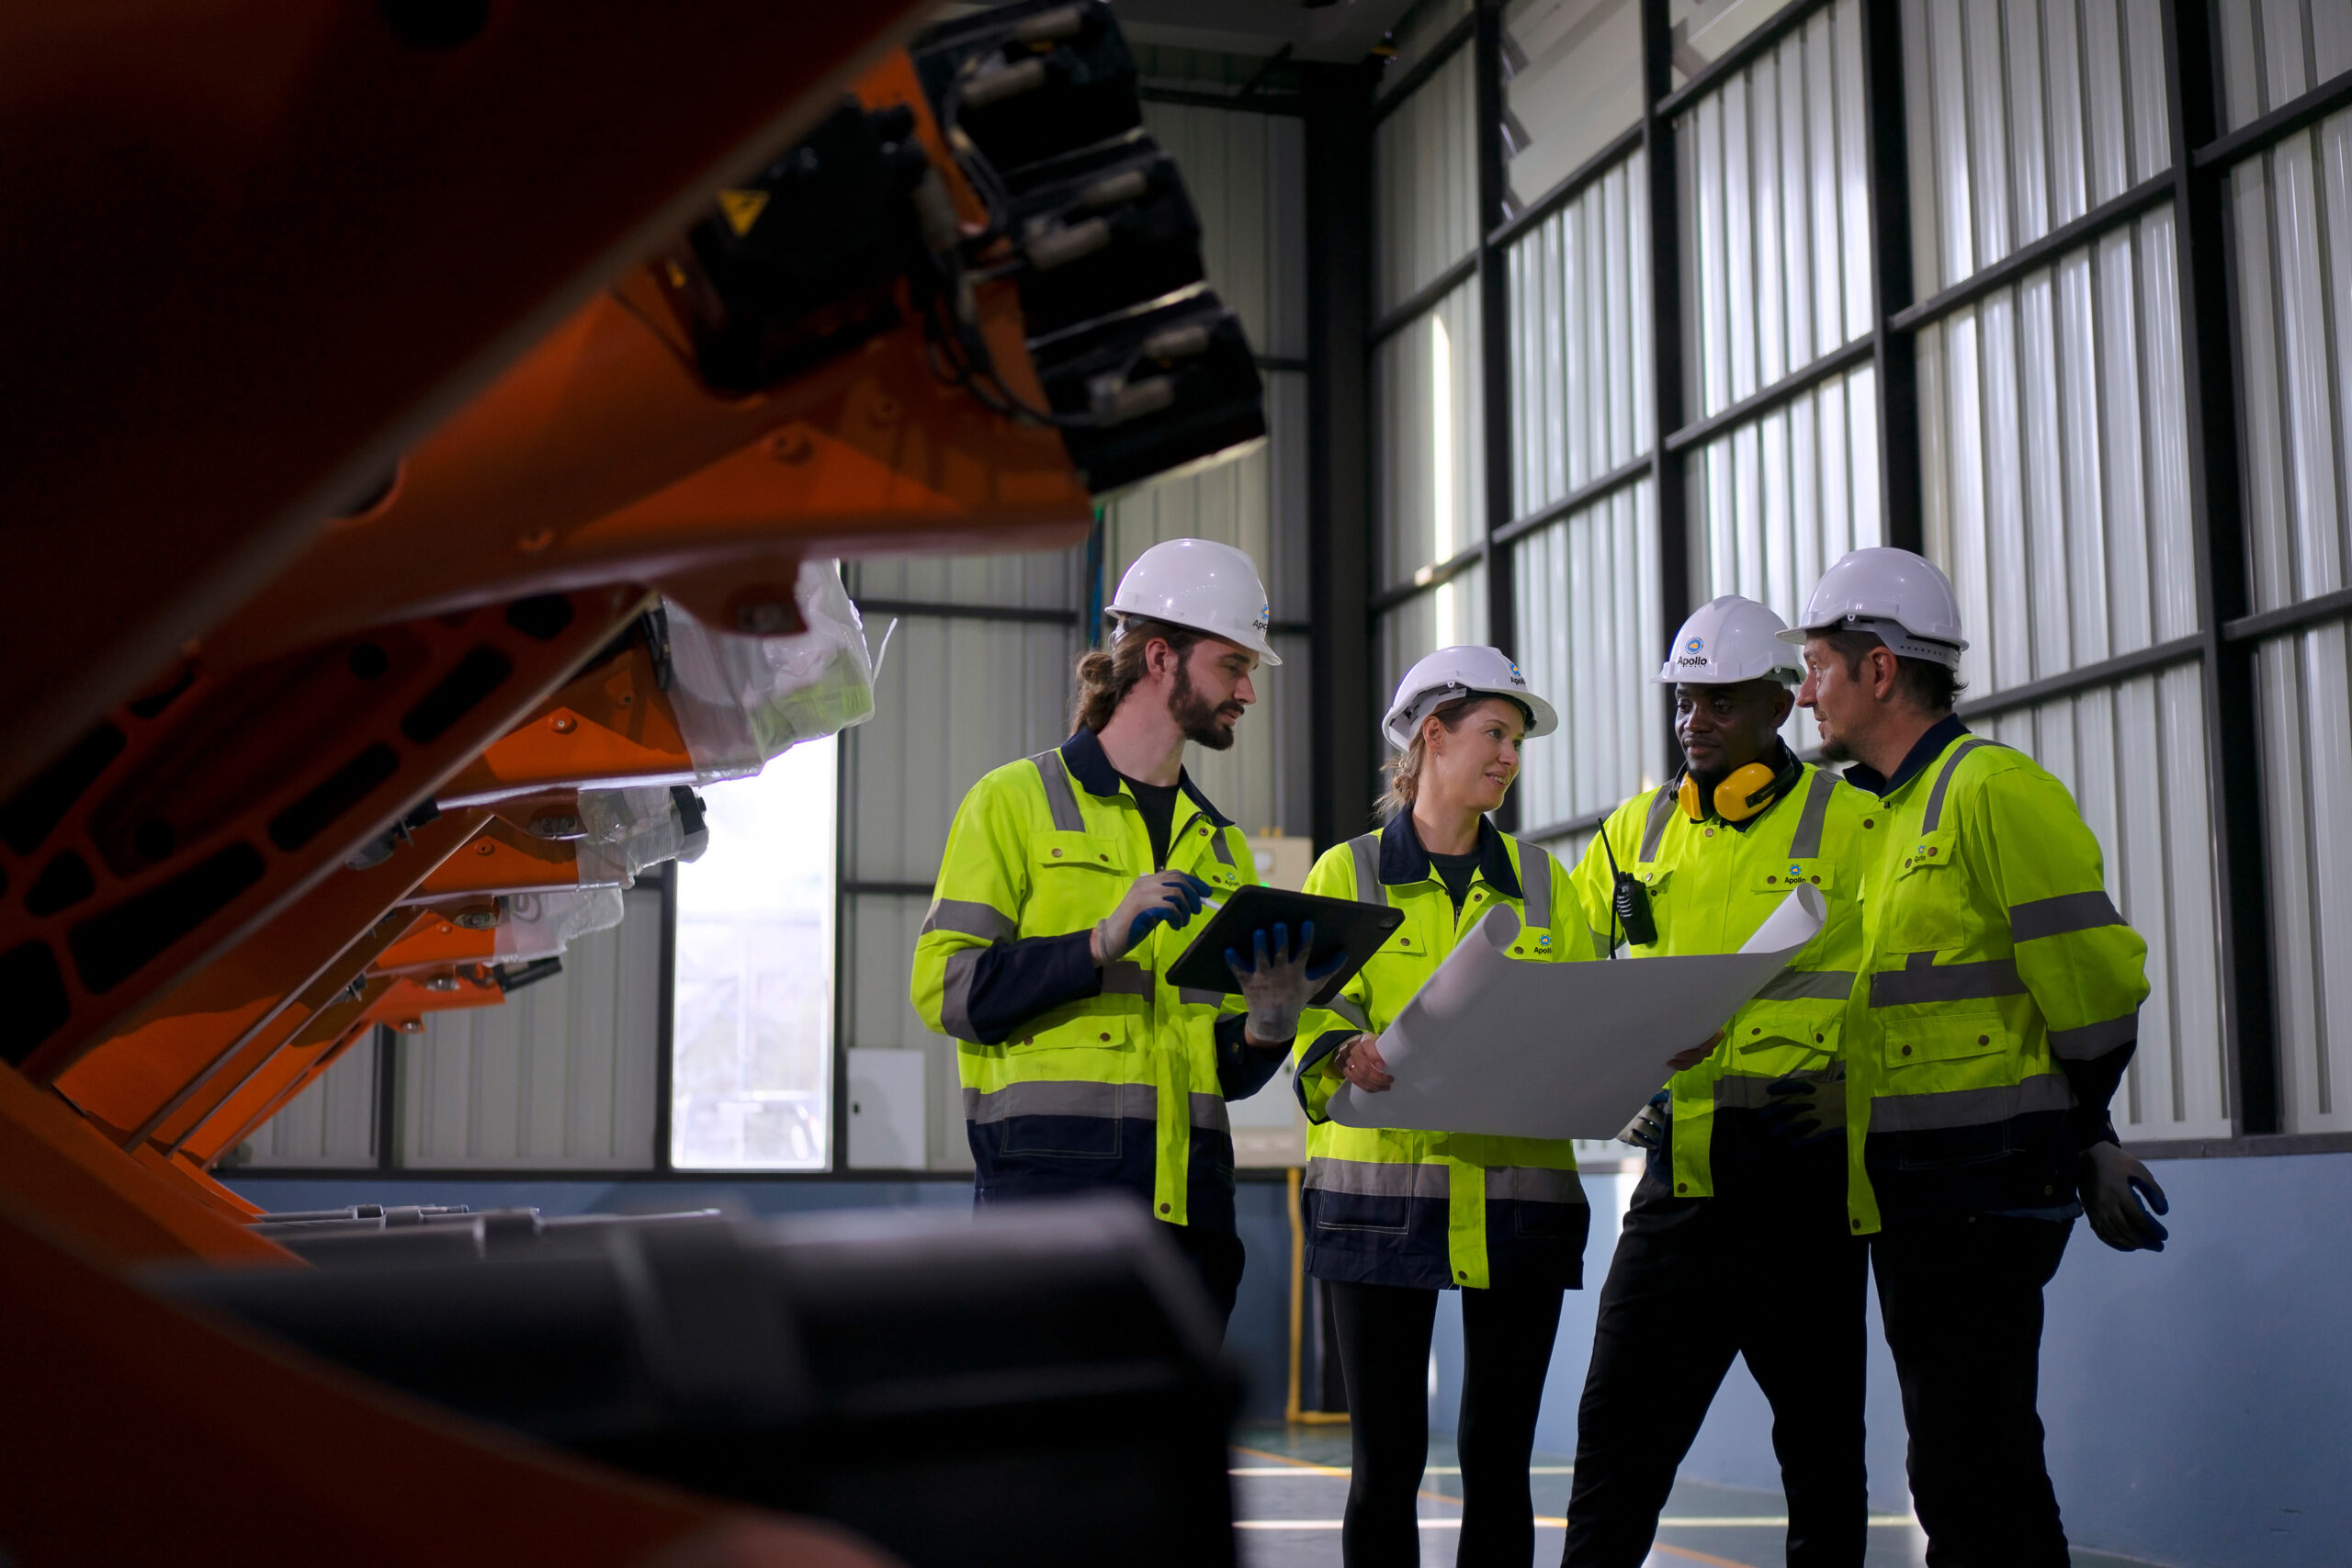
[[751, 1017]]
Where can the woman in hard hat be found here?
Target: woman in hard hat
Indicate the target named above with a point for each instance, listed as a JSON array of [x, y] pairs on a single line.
[[1394, 1217]]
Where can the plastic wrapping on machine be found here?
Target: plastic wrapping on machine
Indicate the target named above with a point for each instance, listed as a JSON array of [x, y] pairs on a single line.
[[541, 925], [625, 830], [741, 701]]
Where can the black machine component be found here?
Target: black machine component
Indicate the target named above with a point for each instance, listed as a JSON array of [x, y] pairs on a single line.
[[511, 977], [1032, 80], [1038, 1388], [1164, 388], [1038, 102], [803, 261], [1101, 231]]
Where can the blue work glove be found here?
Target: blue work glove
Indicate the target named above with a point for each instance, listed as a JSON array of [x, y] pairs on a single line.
[[2117, 1191], [1278, 983], [1164, 897], [1647, 1129], [1804, 1112]]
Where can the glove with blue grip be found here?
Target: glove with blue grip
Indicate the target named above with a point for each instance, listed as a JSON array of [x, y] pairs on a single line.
[[1802, 1111], [1164, 897], [1278, 983]]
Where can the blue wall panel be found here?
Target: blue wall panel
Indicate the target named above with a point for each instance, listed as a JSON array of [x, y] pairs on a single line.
[[2199, 1401]]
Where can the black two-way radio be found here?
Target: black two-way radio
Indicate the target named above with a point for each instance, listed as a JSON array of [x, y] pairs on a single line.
[[1630, 906]]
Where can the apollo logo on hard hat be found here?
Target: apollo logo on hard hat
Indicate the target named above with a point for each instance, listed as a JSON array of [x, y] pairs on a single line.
[[1515, 677], [1265, 617], [1694, 655]]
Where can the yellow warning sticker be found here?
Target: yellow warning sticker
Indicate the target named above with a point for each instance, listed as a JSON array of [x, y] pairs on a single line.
[[743, 208]]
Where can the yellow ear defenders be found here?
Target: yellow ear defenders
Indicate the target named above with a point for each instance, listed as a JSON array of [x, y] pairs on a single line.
[[1747, 792]]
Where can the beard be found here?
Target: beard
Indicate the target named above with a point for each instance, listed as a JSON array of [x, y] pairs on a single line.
[[1837, 751], [1203, 722]]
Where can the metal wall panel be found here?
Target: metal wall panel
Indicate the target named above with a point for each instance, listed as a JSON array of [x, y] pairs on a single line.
[[1573, 81], [1587, 591], [559, 1076], [2135, 756], [881, 934], [2024, 115], [1256, 503], [1428, 411], [956, 697], [331, 1124], [1247, 175], [1425, 184], [1580, 351], [2293, 206], [2304, 684], [1776, 500], [1050, 580], [2275, 51], [1453, 613], [1702, 31], [1416, 36], [2054, 445], [1776, 213]]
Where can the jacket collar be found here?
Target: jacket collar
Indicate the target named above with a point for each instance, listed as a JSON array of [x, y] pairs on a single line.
[[1403, 860], [1083, 754], [1924, 750]]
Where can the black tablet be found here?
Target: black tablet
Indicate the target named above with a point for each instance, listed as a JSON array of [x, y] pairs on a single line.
[[1341, 926]]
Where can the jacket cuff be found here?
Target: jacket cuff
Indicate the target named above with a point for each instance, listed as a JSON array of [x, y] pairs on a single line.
[[1310, 1067]]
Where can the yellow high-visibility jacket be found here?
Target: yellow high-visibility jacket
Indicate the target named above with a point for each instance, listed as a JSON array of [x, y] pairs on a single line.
[[2001, 990], [1711, 885], [1078, 1078], [1388, 1207]]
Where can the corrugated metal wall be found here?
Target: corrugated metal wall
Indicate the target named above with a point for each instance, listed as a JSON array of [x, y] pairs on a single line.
[[1574, 80], [1778, 225], [1580, 371], [1247, 175], [331, 1125], [1431, 463], [2055, 463], [957, 696], [2276, 50], [1586, 586], [559, 1076], [1425, 184], [2292, 220], [2133, 754], [1779, 498], [1589, 639]]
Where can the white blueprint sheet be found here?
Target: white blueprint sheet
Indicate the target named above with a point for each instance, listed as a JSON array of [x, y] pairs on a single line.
[[1494, 1045]]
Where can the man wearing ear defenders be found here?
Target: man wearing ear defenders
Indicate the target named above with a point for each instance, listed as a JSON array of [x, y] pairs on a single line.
[[1738, 1240], [1998, 1007]]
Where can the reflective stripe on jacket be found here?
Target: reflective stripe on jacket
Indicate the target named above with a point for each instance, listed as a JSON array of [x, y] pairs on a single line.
[[1711, 885], [1122, 1084], [1994, 956], [1437, 1208]]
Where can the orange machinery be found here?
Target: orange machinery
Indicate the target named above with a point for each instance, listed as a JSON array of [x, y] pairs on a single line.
[[237, 868]]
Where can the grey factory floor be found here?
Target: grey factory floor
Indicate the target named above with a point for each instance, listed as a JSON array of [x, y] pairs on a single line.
[[1290, 1485]]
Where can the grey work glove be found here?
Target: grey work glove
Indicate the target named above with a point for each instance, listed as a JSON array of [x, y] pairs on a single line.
[[1277, 982], [2113, 1186], [1164, 897], [1647, 1129]]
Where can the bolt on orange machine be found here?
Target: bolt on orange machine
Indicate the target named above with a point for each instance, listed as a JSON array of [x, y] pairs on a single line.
[[384, 762]]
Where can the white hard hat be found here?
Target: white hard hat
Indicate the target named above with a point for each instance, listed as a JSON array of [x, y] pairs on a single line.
[[1203, 585], [1728, 640], [1452, 672], [1898, 597]]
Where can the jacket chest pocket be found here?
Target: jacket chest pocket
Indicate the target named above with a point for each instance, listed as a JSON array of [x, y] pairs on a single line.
[[1075, 876], [1196, 852], [1923, 896], [1782, 876]]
